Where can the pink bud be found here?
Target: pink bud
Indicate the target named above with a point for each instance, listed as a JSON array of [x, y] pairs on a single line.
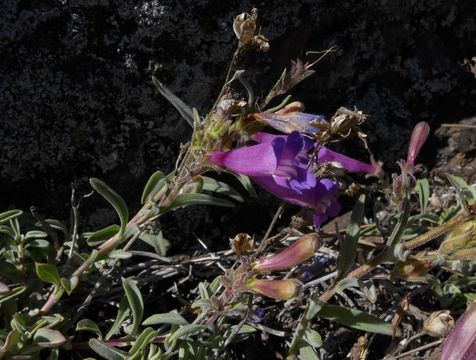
[[461, 344], [295, 254], [275, 289], [419, 136]]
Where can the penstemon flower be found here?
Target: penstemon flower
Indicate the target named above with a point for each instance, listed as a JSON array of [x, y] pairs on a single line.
[[461, 343], [298, 252], [282, 165], [275, 289]]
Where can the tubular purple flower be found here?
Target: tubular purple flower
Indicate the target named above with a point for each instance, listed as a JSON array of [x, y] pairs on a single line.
[[275, 289], [461, 343], [281, 165], [298, 252]]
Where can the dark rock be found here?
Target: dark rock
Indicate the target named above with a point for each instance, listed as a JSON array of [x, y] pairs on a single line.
[[77, 100]]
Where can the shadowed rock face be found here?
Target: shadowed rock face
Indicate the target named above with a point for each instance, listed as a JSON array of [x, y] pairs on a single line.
[[76, 100]]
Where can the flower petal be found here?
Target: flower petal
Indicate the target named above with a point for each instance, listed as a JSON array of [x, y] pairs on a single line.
[[256, 160], [351, 165]]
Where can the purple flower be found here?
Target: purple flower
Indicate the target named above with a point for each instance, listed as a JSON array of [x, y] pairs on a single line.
[[461, 343], [281, 165]]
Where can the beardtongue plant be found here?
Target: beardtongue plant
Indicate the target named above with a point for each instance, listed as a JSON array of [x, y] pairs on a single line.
[[40, 269]]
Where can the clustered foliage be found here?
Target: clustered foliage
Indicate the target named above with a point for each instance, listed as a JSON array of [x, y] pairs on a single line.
[[66, 293]]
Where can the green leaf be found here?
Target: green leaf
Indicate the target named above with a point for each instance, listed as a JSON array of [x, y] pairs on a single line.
[[469, 191], [48, 273], [35, 234], [221, 188], [9, 215], [181, 107], [136, 303], [188, 199], [49, 338], [348, 247], [185, 331], [122, 314], [307, 353], [69, 285], [355, 319], [89, 325], [143, 340], [11, 341], [423, 187], [106, 351], [154, 185], [157, 241], [100, 236], [312, 337], [114, 199], [246, 182], [119, 254], [172, 318]]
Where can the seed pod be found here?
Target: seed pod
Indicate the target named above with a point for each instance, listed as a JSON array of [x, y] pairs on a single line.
[[298, 252], [439, 323], [275, 289], [244, 27], [242, 244]]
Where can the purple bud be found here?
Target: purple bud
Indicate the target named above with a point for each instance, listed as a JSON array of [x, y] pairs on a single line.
[[419, 136], [275, 289], [295, 254], [461, 344]]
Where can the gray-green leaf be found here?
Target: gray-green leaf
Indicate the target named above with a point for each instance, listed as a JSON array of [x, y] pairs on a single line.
[[181, 107], [348, 248], [114, 199]]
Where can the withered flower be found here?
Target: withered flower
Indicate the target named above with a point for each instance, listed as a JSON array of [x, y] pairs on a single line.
[[439, 323]]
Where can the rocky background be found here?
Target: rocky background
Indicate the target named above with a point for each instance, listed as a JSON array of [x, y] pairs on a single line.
[[76, 99]]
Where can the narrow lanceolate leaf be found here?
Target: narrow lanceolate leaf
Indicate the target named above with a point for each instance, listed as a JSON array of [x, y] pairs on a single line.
[[48, 273], [100, 236], [423, 187], [49, 338], [106, 351], [9, 215], [348, 248], [90, 326], [143, 340], [114, 199], [247, 184], [12, 294], [356, 319], [153, 186], [121, 316], [189, 199], [221, 188], [185, 331], [136, 303], [181, 107], [172, 318]]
